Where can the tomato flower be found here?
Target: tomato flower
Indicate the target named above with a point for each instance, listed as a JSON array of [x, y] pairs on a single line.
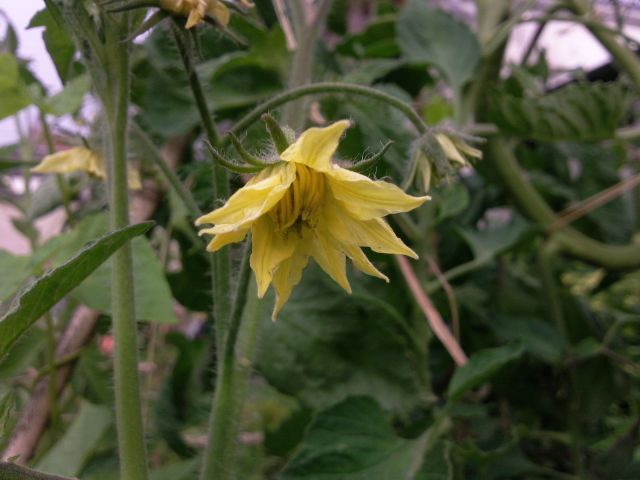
[[197, 10], [81, 159], [306, 206]]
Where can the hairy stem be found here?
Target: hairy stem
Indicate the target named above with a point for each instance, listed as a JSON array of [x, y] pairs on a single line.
[[302, 65], [323, 89], [133, 463], [227, 403]]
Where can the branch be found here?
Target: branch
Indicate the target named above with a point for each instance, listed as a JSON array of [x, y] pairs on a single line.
[[434, 319]]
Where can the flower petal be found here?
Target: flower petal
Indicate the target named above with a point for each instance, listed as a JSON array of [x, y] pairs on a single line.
[[375, 234], [287, 276], [315, 147], [361, 262], [222, 239], [219, 11], [257, 197], [72, 160], [330, 258], [270, 248], [366, 199]]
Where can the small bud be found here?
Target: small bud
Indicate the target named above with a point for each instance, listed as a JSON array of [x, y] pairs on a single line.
[[438, 156]]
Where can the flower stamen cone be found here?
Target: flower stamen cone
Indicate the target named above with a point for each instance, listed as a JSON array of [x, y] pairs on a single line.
[[307, 206]]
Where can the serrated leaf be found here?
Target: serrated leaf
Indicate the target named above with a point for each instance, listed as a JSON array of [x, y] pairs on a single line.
[[482, 365], [28, 305], [352, 440], [14, 95], [367, 349], [486, 244], [73, 450], [57, 41], [70, 98], [580, 112], [153, 300], [427, 35]]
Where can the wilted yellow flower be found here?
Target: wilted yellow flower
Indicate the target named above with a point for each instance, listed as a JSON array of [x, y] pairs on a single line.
[[197, 10], [306, 206], [81, 159]]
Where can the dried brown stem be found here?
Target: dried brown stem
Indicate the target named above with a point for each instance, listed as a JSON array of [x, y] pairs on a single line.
[[434, 319], [451, 296]]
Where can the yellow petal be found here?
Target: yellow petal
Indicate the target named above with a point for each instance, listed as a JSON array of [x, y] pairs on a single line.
[[315, 147], [257, 197], [375, 234], [219, 11], [366, 199], [330, 258], [450, 149], [133, 176], [222, 239], [72, 160], [286, 277], [362, 263], [194, 18], [270, 248]]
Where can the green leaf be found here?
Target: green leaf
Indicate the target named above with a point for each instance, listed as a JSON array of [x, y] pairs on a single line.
[[482, 366], [487, 244], [58, 44], [69, 100], [153, 300], [432, 36], [14, 95], [539, 337], [580, 112], [369, 351], [437, 463], [185, 470], [69, 454], [18, 265], [6, 405], [354, 441], [33, 301]]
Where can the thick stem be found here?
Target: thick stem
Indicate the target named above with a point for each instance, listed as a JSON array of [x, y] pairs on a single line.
[[625, 58], [227, 401], [570, 241], [133, 463]]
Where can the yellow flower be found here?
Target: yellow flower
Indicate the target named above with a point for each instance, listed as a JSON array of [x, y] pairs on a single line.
[[197, 10], [81, 159], [306, 206]]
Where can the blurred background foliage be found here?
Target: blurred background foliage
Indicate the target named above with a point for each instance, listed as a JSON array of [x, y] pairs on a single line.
[[352, 386]]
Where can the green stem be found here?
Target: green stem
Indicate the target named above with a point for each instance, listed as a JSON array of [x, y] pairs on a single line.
[[221, 264], [11, 471], [625, 58], [302, 65], [546, 258], [51, 367], [158, 160], [223, 426], [328, 88], [570, 241], [133, 463], [62, 184]]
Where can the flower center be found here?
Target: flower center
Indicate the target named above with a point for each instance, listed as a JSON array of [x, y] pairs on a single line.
[[302, 200]]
